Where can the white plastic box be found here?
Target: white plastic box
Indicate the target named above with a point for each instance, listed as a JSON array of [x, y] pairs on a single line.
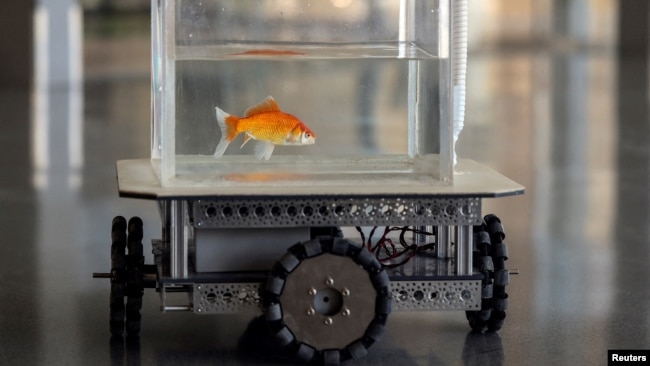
[[372, 80]]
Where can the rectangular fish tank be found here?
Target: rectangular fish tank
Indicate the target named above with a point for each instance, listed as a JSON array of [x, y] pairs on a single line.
[[371, 80]]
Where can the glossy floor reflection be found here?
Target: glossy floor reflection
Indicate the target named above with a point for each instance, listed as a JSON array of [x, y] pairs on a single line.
[[571, 126]]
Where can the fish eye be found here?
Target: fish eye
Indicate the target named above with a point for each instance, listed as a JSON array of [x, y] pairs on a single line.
[[308, 135]]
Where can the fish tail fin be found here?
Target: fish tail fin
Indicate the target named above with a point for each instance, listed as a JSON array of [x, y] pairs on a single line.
[[228, 125]]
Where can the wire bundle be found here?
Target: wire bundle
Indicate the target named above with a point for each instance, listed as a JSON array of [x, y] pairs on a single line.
[[386, 250]]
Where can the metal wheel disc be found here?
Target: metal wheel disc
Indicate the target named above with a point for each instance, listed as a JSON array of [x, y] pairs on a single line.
[[327, 300]]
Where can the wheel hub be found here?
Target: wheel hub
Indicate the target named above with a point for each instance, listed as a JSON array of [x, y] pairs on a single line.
[[328, 301]]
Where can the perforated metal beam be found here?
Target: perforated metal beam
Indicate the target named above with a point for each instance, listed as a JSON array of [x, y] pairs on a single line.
[[335, 211], [224, 298]]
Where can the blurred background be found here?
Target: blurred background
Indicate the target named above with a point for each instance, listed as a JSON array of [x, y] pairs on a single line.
[[557, 101]]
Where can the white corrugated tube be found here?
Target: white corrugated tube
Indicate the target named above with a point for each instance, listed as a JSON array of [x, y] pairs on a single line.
[[459, 67]]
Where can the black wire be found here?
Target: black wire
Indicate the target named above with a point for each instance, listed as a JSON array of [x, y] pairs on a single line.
[[389, 248]]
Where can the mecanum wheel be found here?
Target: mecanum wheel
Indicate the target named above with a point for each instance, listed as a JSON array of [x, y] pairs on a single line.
[[327, 301], [135, 276], [490, 256], [127, 276], [118, 276]]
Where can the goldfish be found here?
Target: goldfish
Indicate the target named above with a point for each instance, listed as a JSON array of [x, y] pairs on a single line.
[[267, 124]]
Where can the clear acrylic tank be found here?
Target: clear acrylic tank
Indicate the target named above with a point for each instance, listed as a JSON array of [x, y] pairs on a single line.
[[372, 80]]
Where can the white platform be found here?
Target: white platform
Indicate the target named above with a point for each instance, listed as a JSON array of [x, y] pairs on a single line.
[[137, 179]]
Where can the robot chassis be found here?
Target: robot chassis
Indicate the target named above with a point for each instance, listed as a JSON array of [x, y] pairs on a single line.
[[325, 300]]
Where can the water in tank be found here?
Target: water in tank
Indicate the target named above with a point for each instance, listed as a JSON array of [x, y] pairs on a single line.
[[300, 93]]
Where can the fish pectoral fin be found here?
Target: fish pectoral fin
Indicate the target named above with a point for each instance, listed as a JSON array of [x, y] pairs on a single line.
[[263, 150]]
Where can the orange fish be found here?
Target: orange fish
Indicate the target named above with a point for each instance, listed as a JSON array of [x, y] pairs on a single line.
[[267, 124]]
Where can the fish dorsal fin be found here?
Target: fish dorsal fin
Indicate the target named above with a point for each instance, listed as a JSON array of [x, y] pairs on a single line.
[[267, 105]]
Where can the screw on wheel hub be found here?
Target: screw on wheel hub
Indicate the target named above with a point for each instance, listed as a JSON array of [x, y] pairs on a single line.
[[327, 301]]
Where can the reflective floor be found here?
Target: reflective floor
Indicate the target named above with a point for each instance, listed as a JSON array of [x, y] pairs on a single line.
[[570, 125]]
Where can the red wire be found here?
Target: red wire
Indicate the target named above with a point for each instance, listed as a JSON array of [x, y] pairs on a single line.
[[387, 246]]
